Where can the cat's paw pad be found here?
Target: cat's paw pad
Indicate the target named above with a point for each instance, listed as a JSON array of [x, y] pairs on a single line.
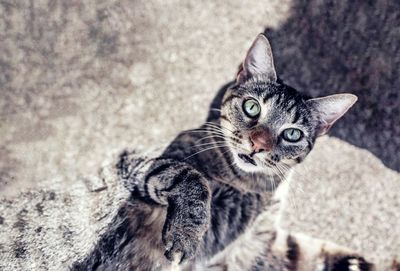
[[352, 264], [180, 246]]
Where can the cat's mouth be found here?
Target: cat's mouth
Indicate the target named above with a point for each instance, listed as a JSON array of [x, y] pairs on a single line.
[[247, 159]]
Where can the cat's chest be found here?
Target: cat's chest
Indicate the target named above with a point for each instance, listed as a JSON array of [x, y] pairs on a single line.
[[232, 212]]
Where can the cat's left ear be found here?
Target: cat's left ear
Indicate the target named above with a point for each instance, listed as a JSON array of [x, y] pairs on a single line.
[[258, 61], [331, 108]]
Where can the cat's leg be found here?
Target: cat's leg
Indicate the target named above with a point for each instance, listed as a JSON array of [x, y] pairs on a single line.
[[281, 251], [302, 252], [182, 190]]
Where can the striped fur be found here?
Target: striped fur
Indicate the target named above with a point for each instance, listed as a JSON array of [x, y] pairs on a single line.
[[209, 201], [266, 248]]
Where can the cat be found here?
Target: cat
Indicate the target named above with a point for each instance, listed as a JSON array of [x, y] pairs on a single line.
[[212, 200]]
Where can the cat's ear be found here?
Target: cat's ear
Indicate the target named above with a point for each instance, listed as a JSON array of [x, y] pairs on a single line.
[[331, 108], [258, 61]]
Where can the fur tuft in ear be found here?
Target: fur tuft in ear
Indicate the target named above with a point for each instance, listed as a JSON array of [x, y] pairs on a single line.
[[258, 61], [331, 108]]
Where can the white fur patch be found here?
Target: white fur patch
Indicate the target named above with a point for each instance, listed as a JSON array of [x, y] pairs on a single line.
[[354, 265]]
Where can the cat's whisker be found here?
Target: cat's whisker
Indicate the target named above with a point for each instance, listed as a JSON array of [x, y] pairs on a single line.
[[272, 181], [215, 136], [215, 129], [290, 195], [238, 148], [204, 131], [218, 126], [226, 139], [207, 149], [277, 173], [297, 172], [209, 123], [219, 129], [287, 167], [220, 145], [210, 136], [270, 175], [210, 143], [214, 132], [282, 173], [213, 125]]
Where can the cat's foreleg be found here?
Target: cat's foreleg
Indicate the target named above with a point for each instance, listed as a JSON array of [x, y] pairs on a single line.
[[182, 190], [188, 215]]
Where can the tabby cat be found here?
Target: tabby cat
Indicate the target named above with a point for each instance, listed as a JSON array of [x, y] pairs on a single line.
[[212, 199]]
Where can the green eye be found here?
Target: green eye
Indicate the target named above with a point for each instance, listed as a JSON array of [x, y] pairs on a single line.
[[292, 134], [252, 108]]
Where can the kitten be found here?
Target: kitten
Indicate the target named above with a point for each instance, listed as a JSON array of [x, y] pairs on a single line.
[[209, 201]]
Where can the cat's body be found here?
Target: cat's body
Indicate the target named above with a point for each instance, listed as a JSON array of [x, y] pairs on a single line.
[[235, 221], [210, 200], [233, 208]]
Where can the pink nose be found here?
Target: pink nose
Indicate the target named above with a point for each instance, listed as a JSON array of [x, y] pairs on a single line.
[[262, 141]]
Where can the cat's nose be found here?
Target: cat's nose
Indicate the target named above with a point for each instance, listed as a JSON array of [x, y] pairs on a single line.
[[261, 141]]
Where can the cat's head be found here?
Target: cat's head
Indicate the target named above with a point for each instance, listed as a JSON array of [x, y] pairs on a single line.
[[269, 125]]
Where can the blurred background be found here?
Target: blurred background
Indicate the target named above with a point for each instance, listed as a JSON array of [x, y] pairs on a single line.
[[82, 80]]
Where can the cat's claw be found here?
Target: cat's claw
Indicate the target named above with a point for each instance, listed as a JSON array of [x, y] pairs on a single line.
[[180, 247]]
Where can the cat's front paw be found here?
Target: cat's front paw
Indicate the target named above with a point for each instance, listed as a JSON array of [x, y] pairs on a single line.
[[184, 227], [181, 245]]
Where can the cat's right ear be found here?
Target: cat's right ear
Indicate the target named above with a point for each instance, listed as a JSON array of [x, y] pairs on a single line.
[[331, 108], [258, 61]]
